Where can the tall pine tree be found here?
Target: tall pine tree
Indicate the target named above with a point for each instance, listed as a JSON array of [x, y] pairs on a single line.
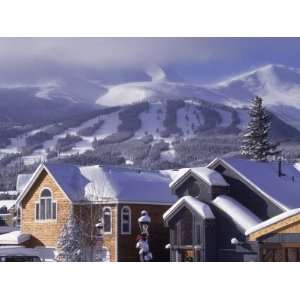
[[255, 142]]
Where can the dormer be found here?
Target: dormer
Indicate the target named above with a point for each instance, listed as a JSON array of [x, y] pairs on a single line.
[[201, 183]]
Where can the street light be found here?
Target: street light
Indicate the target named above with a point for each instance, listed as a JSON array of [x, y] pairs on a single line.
[[143, 244], [144, 222], [99, 229]]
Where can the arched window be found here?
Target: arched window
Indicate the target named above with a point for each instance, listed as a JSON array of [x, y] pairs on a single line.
[[107, 220], [125, 220], [46, 208]]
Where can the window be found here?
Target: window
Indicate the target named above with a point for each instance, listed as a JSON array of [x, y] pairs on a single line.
[[194, 189], [126, 220], [107, 220], [197, 232], [45, 209]]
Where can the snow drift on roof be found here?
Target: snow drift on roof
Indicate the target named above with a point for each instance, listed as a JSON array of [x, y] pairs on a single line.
[[95, 183], [22, 180], [175, 173], [8, 203], [273, 220], [239, 214], [197, 206], [283, 190], [210, 176], [14, 238]]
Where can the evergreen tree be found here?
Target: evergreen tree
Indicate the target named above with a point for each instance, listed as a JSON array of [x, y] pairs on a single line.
[[255, 142], [70, 241]]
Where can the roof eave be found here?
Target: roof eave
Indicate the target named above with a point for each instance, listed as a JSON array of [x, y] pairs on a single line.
[[32, 180]]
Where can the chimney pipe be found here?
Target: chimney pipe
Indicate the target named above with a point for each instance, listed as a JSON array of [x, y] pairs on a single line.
[[279, 167]]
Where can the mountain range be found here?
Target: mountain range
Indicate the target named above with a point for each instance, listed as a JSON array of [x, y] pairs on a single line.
[[152, 101]]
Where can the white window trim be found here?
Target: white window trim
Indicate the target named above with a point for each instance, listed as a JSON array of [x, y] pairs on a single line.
[[110, 212], [129, 221], [39, 202]]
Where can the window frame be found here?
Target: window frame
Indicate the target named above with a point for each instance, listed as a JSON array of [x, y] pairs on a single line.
[[45, 220], [103, 218], [129, 220]]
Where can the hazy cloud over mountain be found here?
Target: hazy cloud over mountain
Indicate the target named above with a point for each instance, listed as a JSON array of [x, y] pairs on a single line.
[[198, 59]]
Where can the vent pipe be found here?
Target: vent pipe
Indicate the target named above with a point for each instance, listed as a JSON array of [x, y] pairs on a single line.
[[279, 168]]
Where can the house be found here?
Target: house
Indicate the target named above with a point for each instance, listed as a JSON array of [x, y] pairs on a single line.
[[8, 215], [235, 210], [113, 194]]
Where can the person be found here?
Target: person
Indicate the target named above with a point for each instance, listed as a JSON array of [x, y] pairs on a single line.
[[143, 246]]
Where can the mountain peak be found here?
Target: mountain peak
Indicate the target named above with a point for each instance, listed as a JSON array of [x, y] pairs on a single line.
[[285, 73]]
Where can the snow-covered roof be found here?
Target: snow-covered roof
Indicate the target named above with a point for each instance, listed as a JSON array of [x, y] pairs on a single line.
[[14, 238], [210, 176], [45, 253], [284, 191], [98, 183], [273, 220], [8, 203], [10, 193], [22, 180], [174, 173], [196, 205], [240, 215]]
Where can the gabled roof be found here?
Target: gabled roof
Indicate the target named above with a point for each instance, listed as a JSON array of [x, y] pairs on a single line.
[[240, 215], [22, 180], [283, 191], [211, 177], [98, 183], [200, 208], [274, 220]]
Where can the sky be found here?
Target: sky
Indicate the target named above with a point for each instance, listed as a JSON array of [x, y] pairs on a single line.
[[202, 60]]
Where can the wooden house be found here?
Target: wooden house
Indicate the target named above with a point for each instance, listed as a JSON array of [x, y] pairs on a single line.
[[236, 210], [113, 194]]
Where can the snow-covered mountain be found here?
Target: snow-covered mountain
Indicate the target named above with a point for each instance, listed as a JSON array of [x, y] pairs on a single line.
[[168, 122], [160, 86], [217, 108], [278, 85]]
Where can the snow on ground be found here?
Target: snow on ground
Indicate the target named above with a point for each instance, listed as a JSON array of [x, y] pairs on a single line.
[[169, 155], [151, 120], [20, 141], [85, 124], [186, 118], [35, 158], [226, 117], [110, 125], [125, 94]]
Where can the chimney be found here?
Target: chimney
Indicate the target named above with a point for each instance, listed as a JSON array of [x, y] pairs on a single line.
[[279, 168]]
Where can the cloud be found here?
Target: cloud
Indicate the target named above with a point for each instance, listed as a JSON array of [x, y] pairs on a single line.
[[110, 52], [31, 60]]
